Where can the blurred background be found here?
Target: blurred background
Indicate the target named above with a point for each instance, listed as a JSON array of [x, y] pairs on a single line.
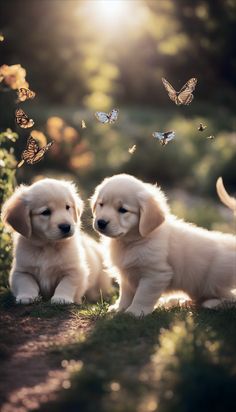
[[83, 56]]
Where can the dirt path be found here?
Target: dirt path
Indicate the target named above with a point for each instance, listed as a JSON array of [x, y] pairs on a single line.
[[27, 378]]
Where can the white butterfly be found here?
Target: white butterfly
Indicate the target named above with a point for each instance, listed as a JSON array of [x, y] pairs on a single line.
[[164, 137], [107, 117]]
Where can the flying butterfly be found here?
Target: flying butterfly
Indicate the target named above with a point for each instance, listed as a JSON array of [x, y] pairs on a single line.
[[210, 137], [23, 120], [107, 117], [184, 96], [83, 124], [24, 94], [165, 137], [201, 127], [132, 149], [33, 154]]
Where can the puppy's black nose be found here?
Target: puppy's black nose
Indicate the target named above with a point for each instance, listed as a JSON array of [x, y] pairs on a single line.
[[64, 227], [102, 224]]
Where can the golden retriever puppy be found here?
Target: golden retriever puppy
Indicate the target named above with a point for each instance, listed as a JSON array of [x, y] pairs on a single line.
[[51, 255], [155, 252]]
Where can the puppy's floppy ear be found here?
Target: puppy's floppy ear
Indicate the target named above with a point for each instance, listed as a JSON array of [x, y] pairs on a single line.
[[78, 204], [16, 213], [94, 198], [151, 214]]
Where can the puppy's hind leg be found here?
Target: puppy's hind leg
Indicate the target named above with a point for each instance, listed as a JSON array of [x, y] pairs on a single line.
[[24, 287]]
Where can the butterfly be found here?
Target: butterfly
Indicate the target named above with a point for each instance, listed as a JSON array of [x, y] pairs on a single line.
[[83, 124], [201, 127], [25, 94], [210, 137], [33, 154], [107, 117], [165, 137], [23, 120], [184, 96], [132, 149]]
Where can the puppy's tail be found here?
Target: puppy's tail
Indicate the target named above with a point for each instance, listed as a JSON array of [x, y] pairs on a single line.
[[224, 196]]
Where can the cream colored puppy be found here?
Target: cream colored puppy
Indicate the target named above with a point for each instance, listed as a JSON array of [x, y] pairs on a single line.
[[155, 252], [51, 255]]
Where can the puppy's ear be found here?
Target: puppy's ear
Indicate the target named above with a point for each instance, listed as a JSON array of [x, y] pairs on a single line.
[[16, 213], [78, 204], [78, 207], [151, 214], [94, 198]]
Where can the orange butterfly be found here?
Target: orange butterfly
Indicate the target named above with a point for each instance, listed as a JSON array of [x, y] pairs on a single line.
[[23, 120], [33, 154], [25, 94]]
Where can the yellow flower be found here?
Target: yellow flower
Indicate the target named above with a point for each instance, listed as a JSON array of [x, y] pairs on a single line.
[[13, 76]]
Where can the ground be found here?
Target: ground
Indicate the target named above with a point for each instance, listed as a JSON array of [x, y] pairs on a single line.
[[56, 358]]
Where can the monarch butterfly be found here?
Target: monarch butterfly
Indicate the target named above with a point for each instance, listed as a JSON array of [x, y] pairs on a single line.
[[165, 137], [107, 117], [201, 127], [33, 154], [132, 149], [83, 124], [184, 96], [23, 120], [210, 137], [25, 94]]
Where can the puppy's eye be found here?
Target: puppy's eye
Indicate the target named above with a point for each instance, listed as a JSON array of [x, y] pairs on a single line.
[[122, 210], [46, 212], [67, 207]]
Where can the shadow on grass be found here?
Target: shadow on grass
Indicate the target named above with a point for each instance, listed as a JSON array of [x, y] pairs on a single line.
[[172, 360]]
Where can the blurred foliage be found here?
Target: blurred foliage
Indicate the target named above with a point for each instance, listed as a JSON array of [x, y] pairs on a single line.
[[7, 181], [95, 52]]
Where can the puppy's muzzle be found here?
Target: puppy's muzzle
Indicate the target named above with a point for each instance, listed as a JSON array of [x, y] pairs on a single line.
[[65, 229], [102, 224]]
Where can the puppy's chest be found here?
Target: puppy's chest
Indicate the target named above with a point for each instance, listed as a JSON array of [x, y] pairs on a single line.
[[133, 257]]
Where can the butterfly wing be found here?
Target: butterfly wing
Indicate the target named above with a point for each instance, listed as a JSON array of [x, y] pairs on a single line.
[[185, 95], [170, 90], [23, 120], [168, 136], [102, 117], [83, 124], [40, 154], [132, 149], [158, 135], [113, 115], [24, 94]]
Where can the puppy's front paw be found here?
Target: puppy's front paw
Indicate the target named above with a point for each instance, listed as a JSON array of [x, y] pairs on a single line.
[[138, 311], [116, 308], [61, 300], [24, 299]]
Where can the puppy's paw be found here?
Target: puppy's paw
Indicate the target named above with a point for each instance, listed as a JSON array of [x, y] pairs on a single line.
[[138, 311], [113, 308], [25, 299], [116, 308], [61, 300]]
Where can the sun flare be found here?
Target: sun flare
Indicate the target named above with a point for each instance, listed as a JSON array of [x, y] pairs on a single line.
[[111, 10]]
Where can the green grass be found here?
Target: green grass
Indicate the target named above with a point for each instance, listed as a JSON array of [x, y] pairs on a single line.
[[175, 359]]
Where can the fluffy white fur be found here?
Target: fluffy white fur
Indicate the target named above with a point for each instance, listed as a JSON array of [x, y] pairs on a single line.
[[154, 252], [63, 266]]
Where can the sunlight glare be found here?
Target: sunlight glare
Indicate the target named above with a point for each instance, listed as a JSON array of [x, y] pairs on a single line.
[[111, 9]]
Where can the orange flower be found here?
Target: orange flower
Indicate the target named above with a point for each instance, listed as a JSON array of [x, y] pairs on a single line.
[[13, 76]]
